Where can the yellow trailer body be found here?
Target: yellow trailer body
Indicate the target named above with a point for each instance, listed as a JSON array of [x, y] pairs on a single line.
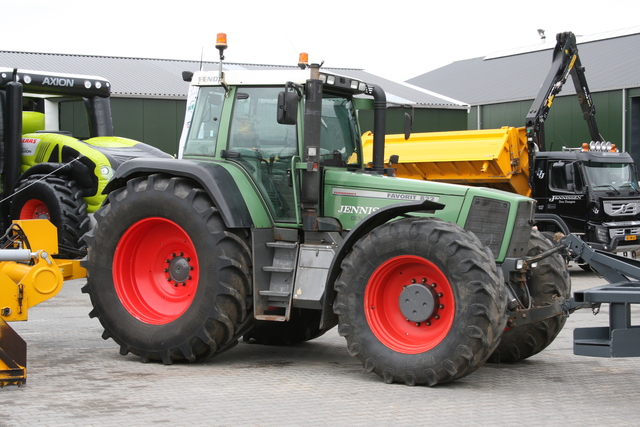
[[496, 158]]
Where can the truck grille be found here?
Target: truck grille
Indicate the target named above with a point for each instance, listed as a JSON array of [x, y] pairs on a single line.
[[623, 231], [621, 207]]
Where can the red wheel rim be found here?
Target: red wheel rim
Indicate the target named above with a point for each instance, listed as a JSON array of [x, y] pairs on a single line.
[[384, 312], [155, 270], [34, 209]]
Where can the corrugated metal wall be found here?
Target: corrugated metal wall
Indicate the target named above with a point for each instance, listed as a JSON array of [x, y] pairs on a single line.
[[424, 120], [157, 122], [565, 125]]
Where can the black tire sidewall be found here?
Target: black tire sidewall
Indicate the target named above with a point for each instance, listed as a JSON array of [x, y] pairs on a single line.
[[70, 217], [548, 280], [400, 242], [115, 317], [38, 190]]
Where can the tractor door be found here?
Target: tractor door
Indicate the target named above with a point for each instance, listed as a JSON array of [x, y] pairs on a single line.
[[265, 148]]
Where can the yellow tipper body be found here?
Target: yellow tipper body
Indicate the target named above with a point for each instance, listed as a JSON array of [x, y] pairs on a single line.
[[496, 158]]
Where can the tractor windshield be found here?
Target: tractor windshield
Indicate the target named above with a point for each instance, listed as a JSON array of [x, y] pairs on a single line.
[[616, 175], [203, 128], [338, 134]]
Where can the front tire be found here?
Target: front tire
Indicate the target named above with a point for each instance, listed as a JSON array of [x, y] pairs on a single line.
[[167, 280], [548, 281], [420, 301], [60, 201]]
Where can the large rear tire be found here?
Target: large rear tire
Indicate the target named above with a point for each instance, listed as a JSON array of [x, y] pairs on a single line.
[[420, 301], [60, 201], [167, 280], [548, 281]]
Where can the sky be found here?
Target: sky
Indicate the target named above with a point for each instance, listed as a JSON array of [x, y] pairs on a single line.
[[392, 40]]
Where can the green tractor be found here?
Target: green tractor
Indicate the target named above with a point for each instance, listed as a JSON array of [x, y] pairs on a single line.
[[48, 173], [269, 227]]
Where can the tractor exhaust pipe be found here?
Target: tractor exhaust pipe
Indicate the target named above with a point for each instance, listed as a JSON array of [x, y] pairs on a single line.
[[310, 178], [379, 127], [13, 145]]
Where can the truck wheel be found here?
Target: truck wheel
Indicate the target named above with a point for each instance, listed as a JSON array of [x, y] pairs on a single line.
[[167, 280], [58, 200], [549, 280], [304, 325], [420, 301]]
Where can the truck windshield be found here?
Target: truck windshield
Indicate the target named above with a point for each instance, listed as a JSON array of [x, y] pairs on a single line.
[[616, 175]]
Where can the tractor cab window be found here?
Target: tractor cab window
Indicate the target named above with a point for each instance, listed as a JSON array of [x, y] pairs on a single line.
[[264, 147], [203, 130], [338, 132]]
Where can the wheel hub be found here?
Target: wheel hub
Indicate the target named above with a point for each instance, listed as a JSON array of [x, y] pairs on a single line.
[[418, 302], [179, 269]]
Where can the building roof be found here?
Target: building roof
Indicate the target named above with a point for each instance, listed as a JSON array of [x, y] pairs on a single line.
[[611, 61], [162, 78]]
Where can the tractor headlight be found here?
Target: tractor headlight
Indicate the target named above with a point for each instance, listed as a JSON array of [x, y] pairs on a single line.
[[106, 172]]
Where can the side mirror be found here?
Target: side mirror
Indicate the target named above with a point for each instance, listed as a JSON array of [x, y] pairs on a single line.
[[187, 76], [287, 108], [408, 126]]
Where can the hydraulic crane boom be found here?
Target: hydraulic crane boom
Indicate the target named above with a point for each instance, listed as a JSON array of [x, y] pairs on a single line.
[[565, 62]]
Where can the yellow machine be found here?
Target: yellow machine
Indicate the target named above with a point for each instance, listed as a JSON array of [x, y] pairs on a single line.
[[29, 275], [496, 158]]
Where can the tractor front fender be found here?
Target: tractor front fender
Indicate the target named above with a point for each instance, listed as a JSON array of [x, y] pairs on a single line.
[[370, 222], [215, 179], [78, 171]]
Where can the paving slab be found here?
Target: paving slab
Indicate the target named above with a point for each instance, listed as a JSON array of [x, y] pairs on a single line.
[[75, 378]]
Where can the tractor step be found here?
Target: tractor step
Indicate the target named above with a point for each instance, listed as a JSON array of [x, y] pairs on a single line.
[[620, 338], [275, 269], [275, 294], [279, 276]]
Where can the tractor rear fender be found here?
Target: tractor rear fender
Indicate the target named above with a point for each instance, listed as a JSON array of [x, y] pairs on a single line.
[[365, 226], [215, 179]]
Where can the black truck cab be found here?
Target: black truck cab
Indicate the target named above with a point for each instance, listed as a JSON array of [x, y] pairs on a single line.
[[594, 192]]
